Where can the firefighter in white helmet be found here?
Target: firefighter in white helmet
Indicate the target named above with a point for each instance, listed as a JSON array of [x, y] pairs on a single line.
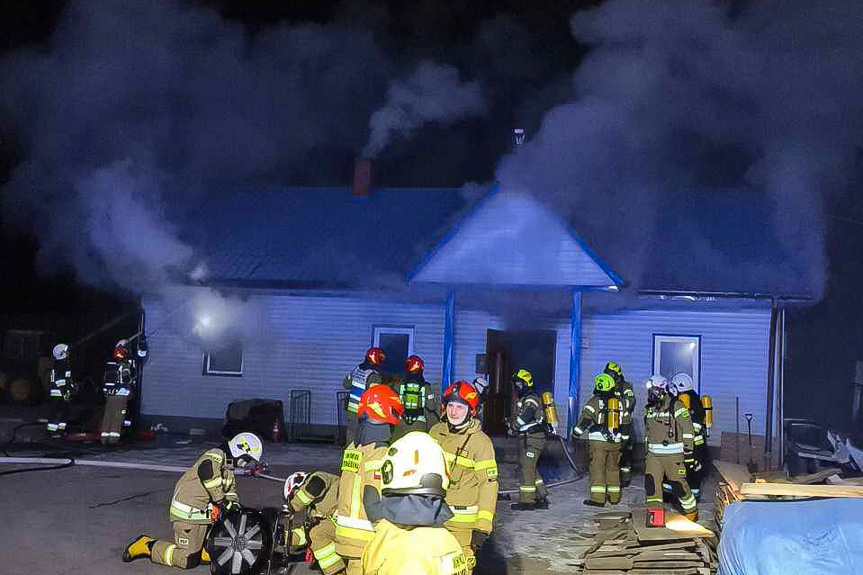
[[204, 490], [317, 496], [682, 383], [409, 515], [668, 435], [63, 389]]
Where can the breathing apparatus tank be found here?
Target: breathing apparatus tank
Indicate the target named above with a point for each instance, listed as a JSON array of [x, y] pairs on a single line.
[[707, 404], [550, 410], [613, 420]]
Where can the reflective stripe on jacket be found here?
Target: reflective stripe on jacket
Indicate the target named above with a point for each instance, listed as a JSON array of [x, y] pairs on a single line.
[[192, 495], [360, 467]]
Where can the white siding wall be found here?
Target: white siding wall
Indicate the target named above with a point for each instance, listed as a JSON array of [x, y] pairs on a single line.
[[471, 335], [734, 350], [312, 342]]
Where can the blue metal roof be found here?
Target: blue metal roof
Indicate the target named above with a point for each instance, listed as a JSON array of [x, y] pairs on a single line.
[[328, 237]]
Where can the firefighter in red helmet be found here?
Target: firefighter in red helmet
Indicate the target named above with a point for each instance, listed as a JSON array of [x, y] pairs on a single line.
[[365, 375], [472, 467], [418, 398]]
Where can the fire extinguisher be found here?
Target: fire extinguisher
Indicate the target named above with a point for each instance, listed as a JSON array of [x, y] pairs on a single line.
[[277, 431]]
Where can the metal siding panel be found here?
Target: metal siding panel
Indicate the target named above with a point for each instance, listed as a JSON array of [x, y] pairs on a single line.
[[489, 248], [471, 335], [734, 348], [310, 343]]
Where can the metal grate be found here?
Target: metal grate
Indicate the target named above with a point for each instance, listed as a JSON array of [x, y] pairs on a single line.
[[301, 408]]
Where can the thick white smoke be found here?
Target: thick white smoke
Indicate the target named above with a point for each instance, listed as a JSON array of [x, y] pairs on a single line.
[[432, 93]]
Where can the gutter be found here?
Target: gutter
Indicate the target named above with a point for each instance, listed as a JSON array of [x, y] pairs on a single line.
[[693, 295]]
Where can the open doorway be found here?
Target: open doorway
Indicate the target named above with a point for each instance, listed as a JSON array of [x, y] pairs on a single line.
[[507, 352]]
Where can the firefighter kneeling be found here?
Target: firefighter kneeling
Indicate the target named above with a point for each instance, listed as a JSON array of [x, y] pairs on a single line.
[[317, 495], [600, 418], [206, 488], [471, 466], [669, 435], [410, 537]]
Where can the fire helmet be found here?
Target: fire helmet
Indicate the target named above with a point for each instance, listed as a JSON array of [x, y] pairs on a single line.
[[657, 381], [614, 370], [682, 382], [380, 404], [522, 379], [603, 382], [246, 445], [414, 465], [376, 356], [414, 364], [462, 392], [61, 351], [121, 350], [481, 385], [293, 482]]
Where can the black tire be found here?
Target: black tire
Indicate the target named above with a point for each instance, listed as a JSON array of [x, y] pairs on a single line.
[[240, 543]]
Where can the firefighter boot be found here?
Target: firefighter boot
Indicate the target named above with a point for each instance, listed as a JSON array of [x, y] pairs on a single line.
[[138, 549], [593, 503], [205, 557], [542, 503], [692, 516], [528, 506]]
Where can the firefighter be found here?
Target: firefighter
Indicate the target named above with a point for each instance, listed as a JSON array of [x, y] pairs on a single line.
[[600, 419], [418, 399], [625, 393], [669, 436], [317, 495], [472, 469], [682, 382], [204, 490], [365, 375], [409, 513], [63, 389], [528, 423], [118, 386], [379, 408]]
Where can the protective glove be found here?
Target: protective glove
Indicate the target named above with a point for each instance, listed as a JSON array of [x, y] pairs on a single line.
[[607, 435], [229, 505], [477, 539]]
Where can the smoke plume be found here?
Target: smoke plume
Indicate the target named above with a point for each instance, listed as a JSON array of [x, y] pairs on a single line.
[[680, 105], [432, 93]]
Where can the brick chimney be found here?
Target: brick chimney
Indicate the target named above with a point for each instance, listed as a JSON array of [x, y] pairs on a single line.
[[362, 186]]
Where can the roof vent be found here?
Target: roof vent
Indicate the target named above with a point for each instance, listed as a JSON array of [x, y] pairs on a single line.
[[362, 186]]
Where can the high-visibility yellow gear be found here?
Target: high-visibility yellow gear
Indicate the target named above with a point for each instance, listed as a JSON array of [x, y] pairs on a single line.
[[209, 480], [684, 399], [473, 473], [415, 551], [594, 421], [603, 382], [318, 495], [361, 466], [549, 408], [612, 422], [525, 376], [707, 404], [137, 549]]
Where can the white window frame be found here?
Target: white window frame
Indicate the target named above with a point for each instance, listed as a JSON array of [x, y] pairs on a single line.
[[409, 331], [659, 339], [209, 371]]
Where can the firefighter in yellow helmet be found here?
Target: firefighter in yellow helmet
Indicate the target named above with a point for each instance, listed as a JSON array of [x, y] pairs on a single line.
[[317, 495], [200, 494], [669, 438], [625, 393], [378, 410], [528, 423], [410, 512], [472, 494], [600, 419]]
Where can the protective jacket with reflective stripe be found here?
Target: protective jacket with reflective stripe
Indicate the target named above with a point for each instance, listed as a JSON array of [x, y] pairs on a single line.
[[361, 378], [594, 416], [209, 480], [666, 425], [626, 395], [361, 466], [696, 412], [324, 503], [398, 550], [472, 493], [527, 414]]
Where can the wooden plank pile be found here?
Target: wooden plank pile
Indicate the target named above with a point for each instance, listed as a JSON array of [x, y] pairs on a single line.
[[624, 545], [737, 484]]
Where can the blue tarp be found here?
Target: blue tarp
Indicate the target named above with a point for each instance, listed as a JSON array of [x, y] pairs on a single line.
[[817, 537]]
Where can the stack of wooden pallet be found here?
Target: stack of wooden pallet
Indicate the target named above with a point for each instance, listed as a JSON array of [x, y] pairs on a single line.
[[624, 545], [737, 484]]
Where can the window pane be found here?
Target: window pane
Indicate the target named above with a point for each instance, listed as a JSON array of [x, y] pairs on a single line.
[[395, 345], [676, 357], [229, 359]]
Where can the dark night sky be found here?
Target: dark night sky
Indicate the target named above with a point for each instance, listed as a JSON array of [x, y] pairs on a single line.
[[824, 340]]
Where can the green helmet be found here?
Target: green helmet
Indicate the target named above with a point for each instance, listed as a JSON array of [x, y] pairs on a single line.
[[603, 382], [614, 370], [523, 378]]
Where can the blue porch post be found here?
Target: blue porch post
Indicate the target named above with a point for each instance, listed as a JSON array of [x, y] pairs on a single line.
[[448, 364], [574, 360]]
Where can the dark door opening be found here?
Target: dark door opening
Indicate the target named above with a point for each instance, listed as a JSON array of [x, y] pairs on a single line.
[[506, 353]]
